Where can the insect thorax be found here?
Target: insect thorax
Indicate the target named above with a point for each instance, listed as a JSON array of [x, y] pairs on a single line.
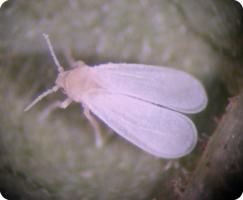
[[77, 82]]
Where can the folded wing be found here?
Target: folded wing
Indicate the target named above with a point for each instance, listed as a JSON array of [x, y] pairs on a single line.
[[160, 85], [156, 130]]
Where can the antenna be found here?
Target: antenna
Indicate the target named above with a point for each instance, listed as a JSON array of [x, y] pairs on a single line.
[[53, 55], [59, 68], [41, 96]]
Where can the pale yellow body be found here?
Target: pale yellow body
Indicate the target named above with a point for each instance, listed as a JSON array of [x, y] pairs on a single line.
[[78, 82]]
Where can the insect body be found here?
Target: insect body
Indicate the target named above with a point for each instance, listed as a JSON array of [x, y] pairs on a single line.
[[78, 82], [141, 103]]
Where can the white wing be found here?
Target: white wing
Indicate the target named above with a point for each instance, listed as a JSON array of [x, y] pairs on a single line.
[[156, 130], [160, 85]]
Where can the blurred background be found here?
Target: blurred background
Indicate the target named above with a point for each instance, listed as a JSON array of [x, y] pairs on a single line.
[[56, 157]]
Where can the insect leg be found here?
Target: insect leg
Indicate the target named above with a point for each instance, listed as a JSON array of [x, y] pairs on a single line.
[[58, 104], [64, 104], [71, 61], [68, 56], [94, 123]]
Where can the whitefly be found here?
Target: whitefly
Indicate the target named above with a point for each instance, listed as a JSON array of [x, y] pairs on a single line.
[[141, 103]]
